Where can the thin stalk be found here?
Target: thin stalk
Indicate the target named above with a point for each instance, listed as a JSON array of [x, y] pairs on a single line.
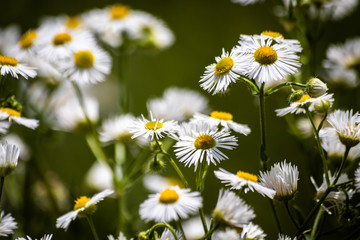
[[203, 221], [92, 226], [120, 205], [158, 225], [316, 224], [263, 156], [278, 87], [346, 153], [1, 188], [290, 215], [181, 229], [210, 232], [321, 150], [275, 215]]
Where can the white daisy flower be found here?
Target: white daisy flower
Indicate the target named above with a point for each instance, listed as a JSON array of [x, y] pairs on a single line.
[[246, 2], [252, 231], [299, 106], [284, 237], [338, 9], [268, 59], [227, 234], [342, 61], [9, 156], [83, 207], [13, 115], [232, 211], [153, 128], [334, 148], [14, 139], [226, 70], [26, 47], [116, 129], [283, 178], [335, 199], [177, 104], [193, 228], [244, 180], [295, 44], [121, 237], [347, 126], [156, 183], [86, 65], [70, 22], [45, 237], [171, 204], [7, 224], [225, 120], [70, 116], [100, 177], [357, 179], [10, 65], [199, 141]]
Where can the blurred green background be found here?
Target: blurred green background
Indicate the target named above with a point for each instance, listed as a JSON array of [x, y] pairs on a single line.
[[202, 28]]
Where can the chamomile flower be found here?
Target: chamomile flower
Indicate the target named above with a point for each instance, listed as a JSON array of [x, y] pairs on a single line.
[[226, 70], [357, 179], [225, 120], [171, 204], [9, 156], [268, 59], [304, 102], [154, 128], [45, 237], [347, 126], [199, 141], [10, 65], [252, 231], [335, 199], [227, 234], [244, 180], [83, 207], [342, 61], [282, 178], [12, 115], [116, 129], [295, 44], [86, 65], [7, 224], [284, 237], [232, 211], [177, 104]]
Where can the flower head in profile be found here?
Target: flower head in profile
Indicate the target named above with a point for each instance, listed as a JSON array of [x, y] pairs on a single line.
[[10, 65], [226, 70], [14, 115], [268, 58], [153, 128], [252, 231], [83, 207], [284, 237], [199, 141], [170, 204], [282, 178], [347, 126], [223, 119], [335, 199], [45, 237], [116, 129], [232, 211], [7, 224], [243, 180], [9, 155]]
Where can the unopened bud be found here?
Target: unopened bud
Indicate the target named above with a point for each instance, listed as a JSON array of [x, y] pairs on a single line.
[[322, 105], [296, 96], [316, 88], [156, 165]]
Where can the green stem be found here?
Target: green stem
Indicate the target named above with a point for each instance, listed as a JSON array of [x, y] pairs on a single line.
[[210, 232], [96, 148], [92, 226], [290, 215], [1, 188], [203, 221], [263, 156], [275, 215], [158, 225], [278, 87], [316, 224], [181, 229], [321, 150]]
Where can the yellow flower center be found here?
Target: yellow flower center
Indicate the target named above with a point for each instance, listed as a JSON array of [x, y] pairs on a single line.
[[72, 22], [61, 39], [81, 202], [204, 141], [221, 115], [153, 125], [84, 59], [303, 98], [168, 196], [265, 55], [224, 65], [27, 39], [119, 11], [11, 112], [8, 61], [272, 34], [247, 176]]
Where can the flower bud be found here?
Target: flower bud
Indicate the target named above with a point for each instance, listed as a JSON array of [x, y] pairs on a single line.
[[156, 165], [322, 106], [296, 96], [315, 87]]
